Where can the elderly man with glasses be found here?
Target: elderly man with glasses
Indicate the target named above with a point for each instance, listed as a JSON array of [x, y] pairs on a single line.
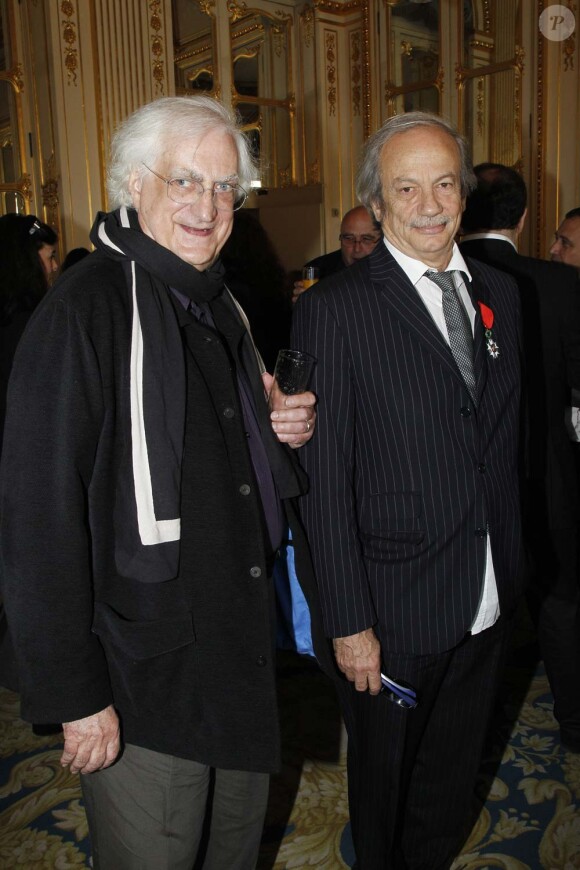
[[146, 486], [359, 233]]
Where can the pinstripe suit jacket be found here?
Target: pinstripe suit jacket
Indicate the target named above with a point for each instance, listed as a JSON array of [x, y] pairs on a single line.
[[407, 476]]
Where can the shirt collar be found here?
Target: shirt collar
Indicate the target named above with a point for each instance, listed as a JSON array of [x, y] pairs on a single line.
[[415, 269], [472, 237]]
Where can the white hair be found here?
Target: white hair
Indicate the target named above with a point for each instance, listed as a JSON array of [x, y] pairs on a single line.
[[144, 136]]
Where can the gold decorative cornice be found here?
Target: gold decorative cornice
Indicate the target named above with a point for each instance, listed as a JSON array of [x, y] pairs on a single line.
[[330, 43], [69, 36], [156, 24], [338, 8]]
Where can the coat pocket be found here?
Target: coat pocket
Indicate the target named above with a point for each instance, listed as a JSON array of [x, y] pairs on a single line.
[[151, 663], [142, 639], [390, 518]]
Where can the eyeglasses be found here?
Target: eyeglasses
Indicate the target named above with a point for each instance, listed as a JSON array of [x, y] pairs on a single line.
[[187, 191], [350, 239]]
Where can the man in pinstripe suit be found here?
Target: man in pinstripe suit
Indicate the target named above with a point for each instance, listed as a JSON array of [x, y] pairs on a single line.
[[413, 509]]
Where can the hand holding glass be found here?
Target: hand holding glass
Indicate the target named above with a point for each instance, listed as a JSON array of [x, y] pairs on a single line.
[[293, 371], [310, 275]]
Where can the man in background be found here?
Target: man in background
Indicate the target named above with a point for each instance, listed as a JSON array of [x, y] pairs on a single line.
[[493, 221], [359, 233], [566, 247], [413, 512]]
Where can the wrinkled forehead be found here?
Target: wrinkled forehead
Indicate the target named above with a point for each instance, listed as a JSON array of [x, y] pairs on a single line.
[[210, 154]]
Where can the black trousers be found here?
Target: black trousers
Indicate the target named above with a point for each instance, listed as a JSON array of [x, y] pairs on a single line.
[[554, 599], [411, 773]]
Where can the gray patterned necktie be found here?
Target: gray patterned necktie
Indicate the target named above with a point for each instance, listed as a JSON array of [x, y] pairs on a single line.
[[458, 327]]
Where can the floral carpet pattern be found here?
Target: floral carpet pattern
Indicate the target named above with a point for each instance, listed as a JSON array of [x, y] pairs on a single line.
[[531, 786]]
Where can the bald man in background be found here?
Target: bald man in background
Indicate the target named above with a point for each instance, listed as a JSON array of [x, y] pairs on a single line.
[[359, 233]]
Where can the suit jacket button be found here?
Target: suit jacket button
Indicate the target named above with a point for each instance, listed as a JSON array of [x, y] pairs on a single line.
[[228, 413], [481, 467], [255, 571], [244, 489], [261, 661], [465, 411], [480, 533]]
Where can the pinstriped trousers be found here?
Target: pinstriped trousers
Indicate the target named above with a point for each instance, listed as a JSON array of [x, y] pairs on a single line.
[[412, 773]]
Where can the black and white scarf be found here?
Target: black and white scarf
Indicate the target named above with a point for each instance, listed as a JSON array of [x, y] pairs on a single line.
[[147, 512]]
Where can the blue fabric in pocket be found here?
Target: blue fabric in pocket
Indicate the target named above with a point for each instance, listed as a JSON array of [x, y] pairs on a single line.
[[293, 629]]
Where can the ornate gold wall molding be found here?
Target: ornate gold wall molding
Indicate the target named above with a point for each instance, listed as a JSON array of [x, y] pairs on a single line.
[[50, 198], [330, 46], [307, 20], [338, 8], [236, 10], [69, 37], [14, 76], [156, 24], [355, 71]]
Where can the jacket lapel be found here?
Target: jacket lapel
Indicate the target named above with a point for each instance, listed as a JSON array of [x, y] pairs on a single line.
[[404, 301]]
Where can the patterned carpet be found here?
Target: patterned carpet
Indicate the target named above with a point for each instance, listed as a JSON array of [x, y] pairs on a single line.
[[531, 786]]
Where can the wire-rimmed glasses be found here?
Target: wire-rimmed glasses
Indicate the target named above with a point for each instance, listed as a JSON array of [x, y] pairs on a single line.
[[187, 191], [366, 240]]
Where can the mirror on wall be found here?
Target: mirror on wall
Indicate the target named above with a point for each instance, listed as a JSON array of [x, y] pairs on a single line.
[[413, 59], [261, 89], [194, 48], [489, 80]]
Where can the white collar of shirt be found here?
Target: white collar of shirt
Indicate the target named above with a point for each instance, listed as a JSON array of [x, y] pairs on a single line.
[[415, 269], [472, 237]]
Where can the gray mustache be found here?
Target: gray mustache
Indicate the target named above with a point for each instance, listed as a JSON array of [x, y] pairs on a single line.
[[435, 221]]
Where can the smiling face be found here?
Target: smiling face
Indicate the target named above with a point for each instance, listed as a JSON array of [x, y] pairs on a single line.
[[422, 202], [196, 233]]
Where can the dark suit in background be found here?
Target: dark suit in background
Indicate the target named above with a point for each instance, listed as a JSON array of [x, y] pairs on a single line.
[[550, 300]]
